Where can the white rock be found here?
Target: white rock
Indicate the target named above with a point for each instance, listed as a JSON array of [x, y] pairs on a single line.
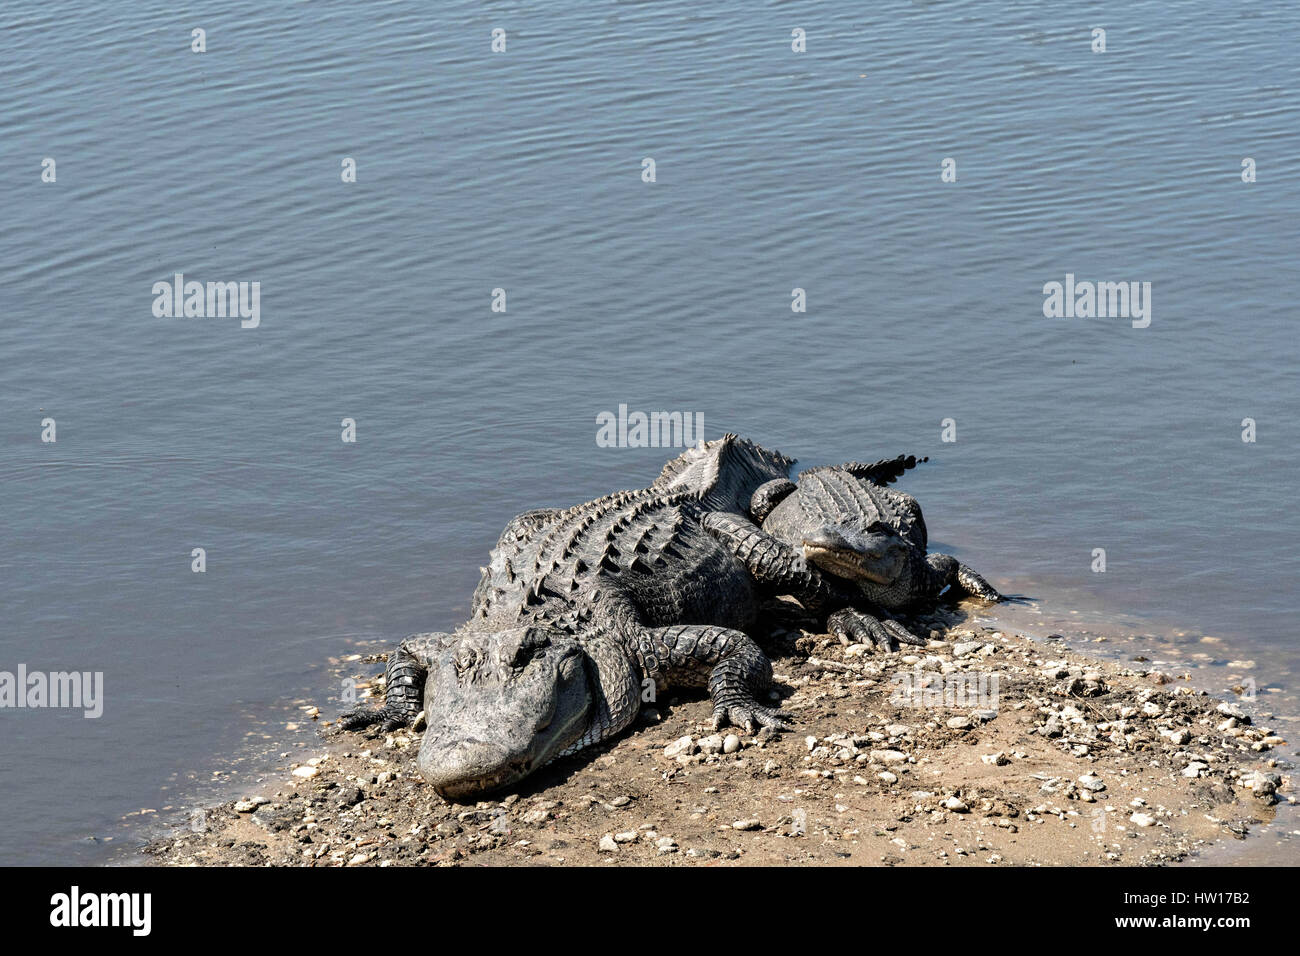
[[680, 747], [1142, 819], [888, 756], [730, 744], [1263, 784], [607, 844]]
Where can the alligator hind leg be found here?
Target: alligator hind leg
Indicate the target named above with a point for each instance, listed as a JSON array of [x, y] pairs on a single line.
[[403, 686], [951, 572], [735, 670], [768, 495]]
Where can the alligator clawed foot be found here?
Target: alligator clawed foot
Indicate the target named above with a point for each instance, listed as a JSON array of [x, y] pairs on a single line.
[[359, 718], [749, 716], [855, 627], [362, 717]]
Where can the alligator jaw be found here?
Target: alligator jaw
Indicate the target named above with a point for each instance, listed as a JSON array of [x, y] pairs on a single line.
[[469, 790], [844, 564], [459, 781], [865, 560]]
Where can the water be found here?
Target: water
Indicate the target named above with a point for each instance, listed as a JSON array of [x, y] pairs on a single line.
[[522, 171]]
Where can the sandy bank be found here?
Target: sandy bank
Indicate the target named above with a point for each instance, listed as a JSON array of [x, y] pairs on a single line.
[[1074, 761]]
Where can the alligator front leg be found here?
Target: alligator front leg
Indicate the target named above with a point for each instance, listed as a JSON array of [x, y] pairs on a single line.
[[408, 666], [852, 626], [733, 667], [948, 571], [776, 566]]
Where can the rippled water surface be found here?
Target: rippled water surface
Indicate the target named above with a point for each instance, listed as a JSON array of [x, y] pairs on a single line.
[[522, 171]]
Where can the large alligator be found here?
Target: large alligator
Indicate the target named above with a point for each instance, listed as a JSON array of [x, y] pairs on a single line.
[[581, 610], [847, 522]]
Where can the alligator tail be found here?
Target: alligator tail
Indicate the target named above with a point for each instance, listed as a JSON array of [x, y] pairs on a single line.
[[882, 472]]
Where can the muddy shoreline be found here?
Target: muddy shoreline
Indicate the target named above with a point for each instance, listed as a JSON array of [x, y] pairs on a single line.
[[984, 748]]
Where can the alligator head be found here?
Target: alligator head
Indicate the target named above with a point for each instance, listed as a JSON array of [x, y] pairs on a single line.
[[847, 523], [876, 553], [499, 704]]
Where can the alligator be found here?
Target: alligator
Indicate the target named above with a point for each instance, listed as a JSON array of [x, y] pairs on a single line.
[[868, 539], [581, 611]]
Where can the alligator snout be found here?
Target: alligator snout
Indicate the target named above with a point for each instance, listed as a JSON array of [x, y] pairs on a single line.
[[470, 767], [828, 539], [873, 556], [872, 546]]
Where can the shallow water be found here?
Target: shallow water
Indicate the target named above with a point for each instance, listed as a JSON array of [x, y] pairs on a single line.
[[522, 171]]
